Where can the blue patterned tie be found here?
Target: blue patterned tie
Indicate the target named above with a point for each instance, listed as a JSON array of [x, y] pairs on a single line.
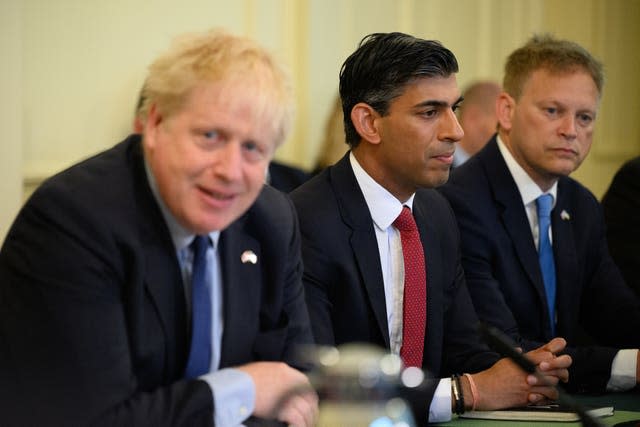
[[545, 256], [200, 352]]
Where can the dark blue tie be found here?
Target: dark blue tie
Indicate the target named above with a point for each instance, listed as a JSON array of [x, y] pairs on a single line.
[[545, 256], [200, 352]]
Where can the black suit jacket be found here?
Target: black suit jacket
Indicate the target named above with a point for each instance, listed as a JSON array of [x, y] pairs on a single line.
[[621, 205], [93, 324], [343, 278], [286, 178], [501, 265]]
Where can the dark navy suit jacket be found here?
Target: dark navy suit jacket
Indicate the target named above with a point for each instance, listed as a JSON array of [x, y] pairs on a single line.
[[343, 277], [93, 321], [500, 260], [621, 205]]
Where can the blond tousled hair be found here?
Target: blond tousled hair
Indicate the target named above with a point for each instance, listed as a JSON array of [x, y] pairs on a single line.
[[217, 56]]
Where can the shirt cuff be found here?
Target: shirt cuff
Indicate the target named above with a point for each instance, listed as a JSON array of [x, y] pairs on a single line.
[[234, 396], [440, 408], [623, 371]]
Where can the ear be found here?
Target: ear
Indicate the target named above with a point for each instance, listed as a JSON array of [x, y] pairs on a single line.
[[150, 126], [505, 107], [365, 120]]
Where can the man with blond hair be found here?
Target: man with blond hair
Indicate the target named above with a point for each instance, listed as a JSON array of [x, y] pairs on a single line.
[[159, 282]]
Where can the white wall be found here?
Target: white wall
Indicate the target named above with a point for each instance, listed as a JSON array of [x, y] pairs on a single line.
[[71, 69]]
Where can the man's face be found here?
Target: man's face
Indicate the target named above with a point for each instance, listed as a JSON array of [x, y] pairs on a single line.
[[549, 130], [417, 137], [210, 158], [479, 126]]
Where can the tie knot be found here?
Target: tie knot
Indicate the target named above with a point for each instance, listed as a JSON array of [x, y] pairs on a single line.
[[199, 244], [405, 221], [543, 204]]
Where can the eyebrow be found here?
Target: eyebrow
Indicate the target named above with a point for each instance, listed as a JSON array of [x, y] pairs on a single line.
[[437, 103]]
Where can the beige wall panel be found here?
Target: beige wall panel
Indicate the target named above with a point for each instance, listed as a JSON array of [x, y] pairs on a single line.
[[608, 28], [83, 61], [10, 114]]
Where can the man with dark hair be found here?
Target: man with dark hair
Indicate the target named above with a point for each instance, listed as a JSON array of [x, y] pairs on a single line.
[[533, 240], [380, 247]]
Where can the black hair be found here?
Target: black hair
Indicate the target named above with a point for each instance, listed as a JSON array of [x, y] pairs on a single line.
[[381, 67]]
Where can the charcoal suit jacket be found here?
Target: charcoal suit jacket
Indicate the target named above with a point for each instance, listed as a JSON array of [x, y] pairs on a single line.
[[93, 320], [343, 277]]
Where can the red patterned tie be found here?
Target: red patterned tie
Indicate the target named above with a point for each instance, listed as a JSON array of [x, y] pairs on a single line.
[[414, 315]]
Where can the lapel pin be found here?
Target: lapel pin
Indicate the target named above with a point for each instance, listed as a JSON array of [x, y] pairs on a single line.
[[565, 215], [248, 256]]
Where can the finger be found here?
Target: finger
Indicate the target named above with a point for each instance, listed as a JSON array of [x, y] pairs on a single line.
[[540, 354], [563, 361], [561, 374], [556, 373], [535, 397], [538, 399], [289, 415], [299, 410], [556, 345], [547, 392], [310, 400], [560, 362], [542, 380]]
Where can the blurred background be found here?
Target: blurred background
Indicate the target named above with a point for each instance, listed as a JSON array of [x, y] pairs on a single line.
[[71, 69]]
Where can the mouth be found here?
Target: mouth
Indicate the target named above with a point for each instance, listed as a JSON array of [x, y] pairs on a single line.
[[214, 197], [565, 152], [446, 158]]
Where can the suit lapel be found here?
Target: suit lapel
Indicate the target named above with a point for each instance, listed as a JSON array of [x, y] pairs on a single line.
[[163, 277], [355, 214], [513, 214], [241, 284], [564, 248]]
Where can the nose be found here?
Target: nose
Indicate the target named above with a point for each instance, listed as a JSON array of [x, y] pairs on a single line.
[[568, 127], [228, 161], [450, 129]]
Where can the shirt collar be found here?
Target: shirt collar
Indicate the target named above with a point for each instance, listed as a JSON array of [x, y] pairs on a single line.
[[529, 190], [180, 236], [460, 156], [383, 205]]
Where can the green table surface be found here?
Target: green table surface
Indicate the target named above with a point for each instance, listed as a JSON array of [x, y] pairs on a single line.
[[626, 408]]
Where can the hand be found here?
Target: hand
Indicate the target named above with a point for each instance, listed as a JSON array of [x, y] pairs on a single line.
[[282, 393], [504, 385], [551, 368]]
